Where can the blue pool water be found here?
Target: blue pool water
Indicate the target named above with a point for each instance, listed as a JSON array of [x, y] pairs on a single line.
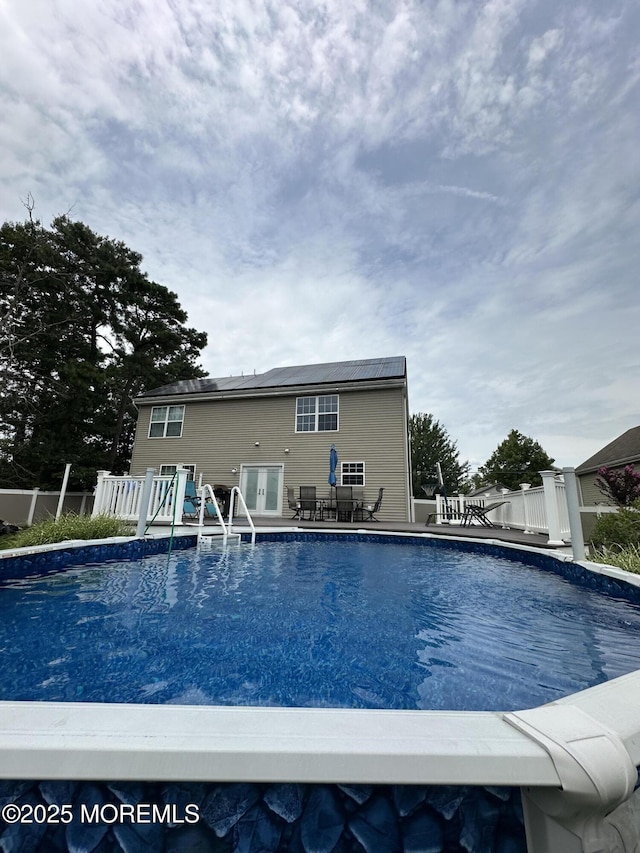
[[340, 624]]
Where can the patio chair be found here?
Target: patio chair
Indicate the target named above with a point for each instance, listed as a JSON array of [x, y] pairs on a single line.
[[210, 509], [472, 513], [190, 508], [293, 503], [449, 516], [372, 509], [345, 504], [308, 502]]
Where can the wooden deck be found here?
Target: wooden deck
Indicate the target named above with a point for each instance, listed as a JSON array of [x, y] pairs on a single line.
[[537, 540]]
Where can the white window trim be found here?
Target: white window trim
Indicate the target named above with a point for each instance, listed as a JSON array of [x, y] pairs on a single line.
[[166, 422], [353, 473], [317, 413], [190, 468]]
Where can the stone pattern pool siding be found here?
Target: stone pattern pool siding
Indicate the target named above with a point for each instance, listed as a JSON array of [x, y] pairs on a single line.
[[254, 818], [61, 557]]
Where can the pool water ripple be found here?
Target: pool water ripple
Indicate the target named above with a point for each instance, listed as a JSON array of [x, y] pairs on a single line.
[[347, 624]]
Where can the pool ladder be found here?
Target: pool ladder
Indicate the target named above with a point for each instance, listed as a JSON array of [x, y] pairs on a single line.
[[227, 530]]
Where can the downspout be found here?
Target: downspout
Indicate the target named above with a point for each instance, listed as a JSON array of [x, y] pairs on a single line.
[[410, 511]]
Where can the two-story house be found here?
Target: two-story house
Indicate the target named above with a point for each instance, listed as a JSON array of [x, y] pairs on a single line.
[[270, 431]]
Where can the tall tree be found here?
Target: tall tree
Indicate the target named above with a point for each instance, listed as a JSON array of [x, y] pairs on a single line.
[[430, 443], [82, 331], [518, 459]]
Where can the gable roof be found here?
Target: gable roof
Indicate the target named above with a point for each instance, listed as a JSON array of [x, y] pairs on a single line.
[[621, 451], [490, 487], [369, 369]]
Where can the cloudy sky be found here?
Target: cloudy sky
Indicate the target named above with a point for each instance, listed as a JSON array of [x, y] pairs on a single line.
[[456, 181]]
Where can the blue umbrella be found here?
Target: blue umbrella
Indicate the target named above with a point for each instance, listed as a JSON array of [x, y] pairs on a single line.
[[333, 464]]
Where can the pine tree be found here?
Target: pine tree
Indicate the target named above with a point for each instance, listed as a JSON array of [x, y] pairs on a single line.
[[518, 459], [430, 443], [82, 331]]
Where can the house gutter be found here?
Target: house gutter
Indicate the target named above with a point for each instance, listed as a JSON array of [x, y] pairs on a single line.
[[289, 391], [612, 463]]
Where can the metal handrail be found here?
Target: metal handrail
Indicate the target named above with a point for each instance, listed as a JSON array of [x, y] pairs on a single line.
[[236, 490], [225, 532]]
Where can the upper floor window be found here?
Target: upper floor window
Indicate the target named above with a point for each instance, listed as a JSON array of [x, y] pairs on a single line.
[[317, 414], [170, 470], [166, 422], [352, 474]]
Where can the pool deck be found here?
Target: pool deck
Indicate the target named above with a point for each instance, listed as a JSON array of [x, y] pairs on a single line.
[[519, 537]]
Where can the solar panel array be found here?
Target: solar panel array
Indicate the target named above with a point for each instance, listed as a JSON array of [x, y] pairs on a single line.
[[279, 377]]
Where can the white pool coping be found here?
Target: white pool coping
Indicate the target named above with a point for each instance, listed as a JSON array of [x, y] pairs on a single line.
[[101, 741], [74, 740]]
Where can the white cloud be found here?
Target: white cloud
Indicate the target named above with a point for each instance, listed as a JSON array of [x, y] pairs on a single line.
[[455, 181]]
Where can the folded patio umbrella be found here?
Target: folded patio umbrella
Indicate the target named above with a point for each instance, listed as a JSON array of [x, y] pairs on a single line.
[[333, 464]]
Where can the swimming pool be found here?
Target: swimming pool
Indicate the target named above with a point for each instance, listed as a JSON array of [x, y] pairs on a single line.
[[373, 779], [325, 623]]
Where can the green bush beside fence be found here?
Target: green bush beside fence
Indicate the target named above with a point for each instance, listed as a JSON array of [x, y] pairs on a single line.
[[616, 538], [69, 526]]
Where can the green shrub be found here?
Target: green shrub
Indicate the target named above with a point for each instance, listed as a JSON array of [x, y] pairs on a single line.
[[66, 527], [624, 558], [618, 529]]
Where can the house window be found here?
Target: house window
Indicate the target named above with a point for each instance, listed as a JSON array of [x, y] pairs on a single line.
[[166, 422], [169, 470], [352, 474], [317, 414]]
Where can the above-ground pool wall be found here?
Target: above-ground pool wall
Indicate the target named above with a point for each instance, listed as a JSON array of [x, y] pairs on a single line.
[[257, 818], [53, 558]]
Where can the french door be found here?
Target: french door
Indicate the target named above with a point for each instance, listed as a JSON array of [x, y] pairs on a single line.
[[261, 487]]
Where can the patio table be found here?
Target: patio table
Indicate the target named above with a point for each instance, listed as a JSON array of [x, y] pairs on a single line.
[[324, 507]]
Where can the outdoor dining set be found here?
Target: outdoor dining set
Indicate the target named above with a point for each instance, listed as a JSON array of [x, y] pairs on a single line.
[[343, 503]]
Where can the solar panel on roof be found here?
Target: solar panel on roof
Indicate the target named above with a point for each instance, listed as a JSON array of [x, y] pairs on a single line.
[[304, 374]]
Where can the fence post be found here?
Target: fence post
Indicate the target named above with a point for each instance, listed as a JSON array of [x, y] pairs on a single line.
[[63, 489], [32, 507], [98, 497], [144, 502], [503, 511], [573, 510], [551, 507], [524, 487], [179, 492]]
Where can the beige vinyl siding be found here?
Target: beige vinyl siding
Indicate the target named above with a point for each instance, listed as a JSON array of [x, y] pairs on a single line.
[[591, 494], [220, 435]]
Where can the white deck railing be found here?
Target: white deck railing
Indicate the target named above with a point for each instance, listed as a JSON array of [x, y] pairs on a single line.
[[121, 496], [539, 510]]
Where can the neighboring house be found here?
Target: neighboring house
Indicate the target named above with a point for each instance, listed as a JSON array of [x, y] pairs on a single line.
[[274, 430], [622, 451], [492, 490]]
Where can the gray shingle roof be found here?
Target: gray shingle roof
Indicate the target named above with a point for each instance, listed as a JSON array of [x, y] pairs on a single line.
[[280, 377], [621, 451]]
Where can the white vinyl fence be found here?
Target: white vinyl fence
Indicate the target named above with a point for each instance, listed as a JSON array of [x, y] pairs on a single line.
[[539, 510], [25, 507], [121, 496]]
